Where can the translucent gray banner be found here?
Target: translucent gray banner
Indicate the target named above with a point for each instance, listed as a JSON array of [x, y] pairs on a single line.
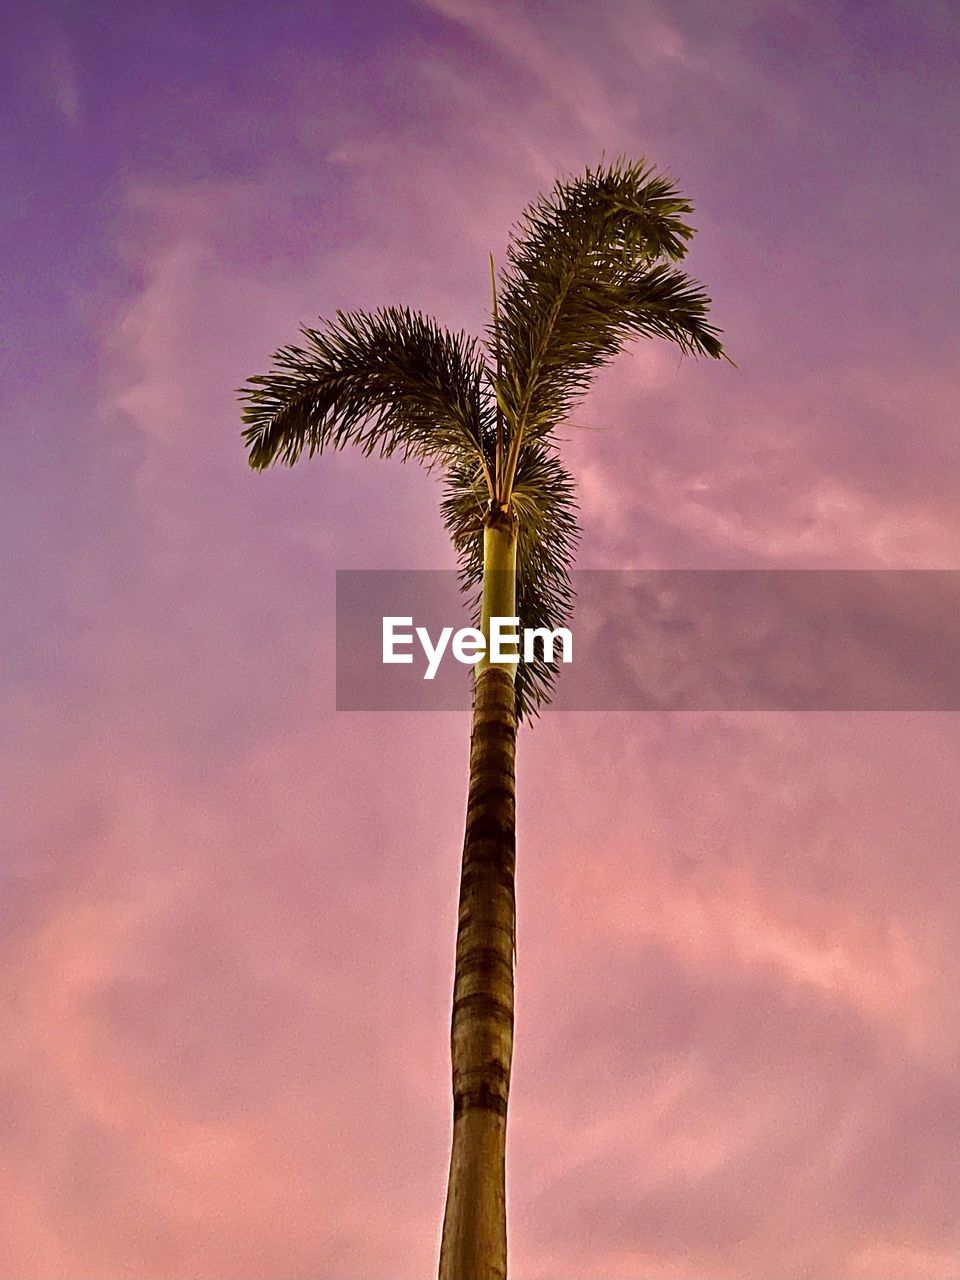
[[682, 640]]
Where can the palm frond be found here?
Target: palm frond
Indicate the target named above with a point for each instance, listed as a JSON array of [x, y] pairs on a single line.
[[588, 268], [650, 302], [544, 502], [392, 382]]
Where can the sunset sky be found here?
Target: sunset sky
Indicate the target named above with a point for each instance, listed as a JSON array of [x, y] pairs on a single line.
[[227, 910]]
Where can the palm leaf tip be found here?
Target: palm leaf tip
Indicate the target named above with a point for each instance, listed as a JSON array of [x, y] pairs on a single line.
[[260, 435]]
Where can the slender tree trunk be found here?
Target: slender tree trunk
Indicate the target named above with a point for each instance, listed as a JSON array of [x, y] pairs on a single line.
[[474, 1243]]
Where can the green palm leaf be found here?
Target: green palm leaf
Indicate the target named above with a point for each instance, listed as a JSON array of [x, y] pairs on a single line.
[[391, 382], [588, 268]]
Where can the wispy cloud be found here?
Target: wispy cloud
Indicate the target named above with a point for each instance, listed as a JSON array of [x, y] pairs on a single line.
[[64, 84]]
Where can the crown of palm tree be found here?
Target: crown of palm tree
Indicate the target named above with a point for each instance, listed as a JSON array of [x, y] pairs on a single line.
[[589, 267]]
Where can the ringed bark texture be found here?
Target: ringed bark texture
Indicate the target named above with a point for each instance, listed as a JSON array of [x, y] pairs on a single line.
[[474, 1243]]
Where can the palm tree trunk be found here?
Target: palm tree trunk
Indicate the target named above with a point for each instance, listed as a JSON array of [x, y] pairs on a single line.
[[474, 1242]]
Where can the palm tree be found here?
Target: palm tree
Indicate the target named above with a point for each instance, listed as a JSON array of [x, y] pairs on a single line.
[[589, 267]]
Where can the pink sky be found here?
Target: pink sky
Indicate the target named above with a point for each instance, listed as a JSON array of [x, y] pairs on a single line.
[[228, 911]]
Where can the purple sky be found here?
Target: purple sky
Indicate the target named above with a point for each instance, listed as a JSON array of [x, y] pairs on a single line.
[[227, 912]]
